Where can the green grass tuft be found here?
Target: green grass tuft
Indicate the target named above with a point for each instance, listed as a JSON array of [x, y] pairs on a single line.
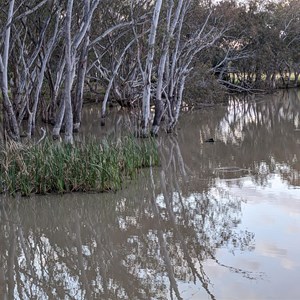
[[61, 168]]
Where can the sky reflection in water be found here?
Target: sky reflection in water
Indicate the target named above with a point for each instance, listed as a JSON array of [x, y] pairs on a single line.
[[268, 187], [272, 213]]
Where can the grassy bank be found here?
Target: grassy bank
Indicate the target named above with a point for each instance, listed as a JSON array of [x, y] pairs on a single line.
[[52, 168]]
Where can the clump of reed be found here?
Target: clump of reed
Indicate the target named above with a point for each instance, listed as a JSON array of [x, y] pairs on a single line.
[[62, 168]]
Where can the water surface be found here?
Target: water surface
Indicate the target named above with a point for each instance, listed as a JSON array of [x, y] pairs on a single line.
[[216, 221]]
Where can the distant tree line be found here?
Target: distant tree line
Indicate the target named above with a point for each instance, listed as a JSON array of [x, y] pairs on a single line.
[[139, 53]]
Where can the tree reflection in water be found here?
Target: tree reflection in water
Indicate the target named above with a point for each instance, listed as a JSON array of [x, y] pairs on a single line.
[[82, 246], [146, 240], [258, 136]]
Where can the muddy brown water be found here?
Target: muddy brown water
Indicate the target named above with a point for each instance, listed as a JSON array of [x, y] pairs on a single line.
[[216, 221]]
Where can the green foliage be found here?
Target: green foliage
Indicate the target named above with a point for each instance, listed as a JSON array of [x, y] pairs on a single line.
[[61, 168]]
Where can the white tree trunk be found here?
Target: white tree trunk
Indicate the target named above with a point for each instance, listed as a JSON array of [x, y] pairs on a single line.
[[170, 28], [148, 69], [10, 124], [41, 75], [69, 76], [81, 73]]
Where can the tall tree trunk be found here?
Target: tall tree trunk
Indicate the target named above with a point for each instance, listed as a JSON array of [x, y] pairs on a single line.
[[69, 76], [159, 105], [148, 69], [81, 72], [71, 48], [111, 82], [41, 75], [10, 124]]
